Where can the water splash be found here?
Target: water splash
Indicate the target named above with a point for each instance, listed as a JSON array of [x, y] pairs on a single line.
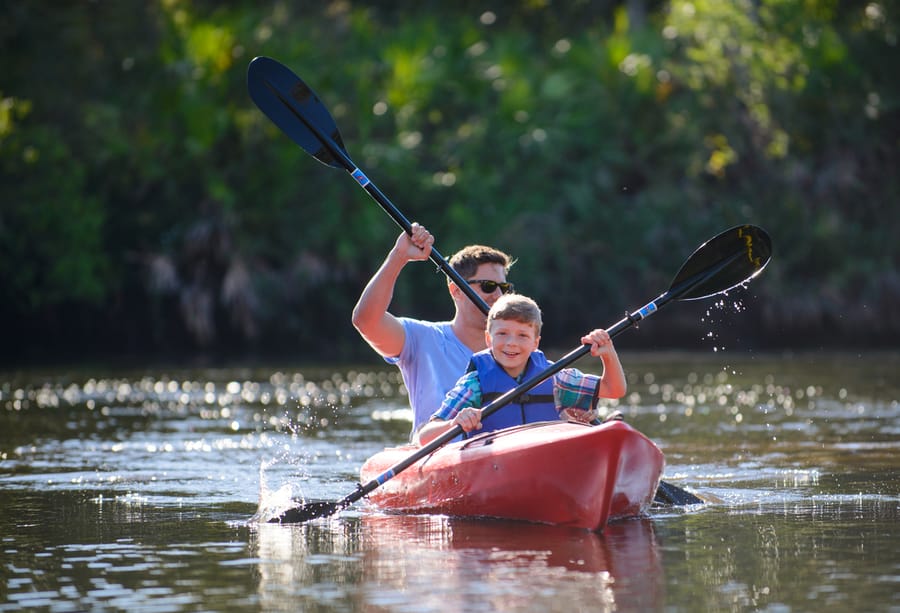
[[716, 316], [272, 503]]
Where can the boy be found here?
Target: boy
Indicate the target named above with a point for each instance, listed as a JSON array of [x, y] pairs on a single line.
[[512, 337]]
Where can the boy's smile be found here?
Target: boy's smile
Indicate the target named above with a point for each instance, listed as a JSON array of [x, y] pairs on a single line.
[[511, 343]]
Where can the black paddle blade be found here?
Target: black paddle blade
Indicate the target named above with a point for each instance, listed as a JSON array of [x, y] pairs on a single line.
[[306, 512], [669, 494], [723, 262], [294, 107]]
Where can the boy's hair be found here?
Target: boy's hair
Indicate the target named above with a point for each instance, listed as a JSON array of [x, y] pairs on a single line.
[[516, 307], [467, 260]]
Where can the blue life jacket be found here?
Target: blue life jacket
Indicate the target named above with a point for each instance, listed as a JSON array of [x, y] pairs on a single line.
[[534, 405]]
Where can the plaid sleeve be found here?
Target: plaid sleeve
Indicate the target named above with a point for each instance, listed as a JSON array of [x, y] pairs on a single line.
[[575, 389], [466, 393]]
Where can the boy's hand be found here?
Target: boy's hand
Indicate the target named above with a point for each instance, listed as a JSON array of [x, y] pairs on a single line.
[[578, 415], [469, 418], [600, 342]]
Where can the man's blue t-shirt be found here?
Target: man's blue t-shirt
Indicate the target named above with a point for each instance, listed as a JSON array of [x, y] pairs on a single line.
[[431, 361]]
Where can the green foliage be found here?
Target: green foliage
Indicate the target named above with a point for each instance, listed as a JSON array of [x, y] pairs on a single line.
[[598, 142], [50, 225]]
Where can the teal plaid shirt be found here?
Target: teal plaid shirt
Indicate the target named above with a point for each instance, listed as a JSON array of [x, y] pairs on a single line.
[[572, 389]]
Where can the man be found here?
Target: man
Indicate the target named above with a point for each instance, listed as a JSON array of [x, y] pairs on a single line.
[[431, 355]]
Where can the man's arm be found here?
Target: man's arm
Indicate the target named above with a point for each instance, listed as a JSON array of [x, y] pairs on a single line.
[[371, 318]]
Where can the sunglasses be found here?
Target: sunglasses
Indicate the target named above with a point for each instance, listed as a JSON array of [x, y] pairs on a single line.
[[488, 287]]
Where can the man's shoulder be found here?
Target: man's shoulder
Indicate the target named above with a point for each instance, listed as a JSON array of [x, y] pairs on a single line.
[[422, 326], [433, 344]]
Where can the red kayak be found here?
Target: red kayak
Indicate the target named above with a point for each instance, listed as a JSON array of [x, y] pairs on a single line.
[[562, 473]]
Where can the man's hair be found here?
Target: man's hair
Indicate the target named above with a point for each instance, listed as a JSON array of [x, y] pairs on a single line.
[[467, 260], [516, 307]]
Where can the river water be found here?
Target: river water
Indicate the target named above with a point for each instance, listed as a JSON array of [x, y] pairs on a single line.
[[137, 489]]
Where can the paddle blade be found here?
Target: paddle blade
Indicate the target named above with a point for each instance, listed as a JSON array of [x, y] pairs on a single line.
[[669, 494], [732, 258], [307, 512], [294, 107]]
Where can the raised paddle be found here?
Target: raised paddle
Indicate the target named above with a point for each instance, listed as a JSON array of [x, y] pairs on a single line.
[[726, 261], [294, 107]]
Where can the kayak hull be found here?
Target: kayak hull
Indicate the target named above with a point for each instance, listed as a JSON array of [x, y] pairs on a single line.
[[561, 473]]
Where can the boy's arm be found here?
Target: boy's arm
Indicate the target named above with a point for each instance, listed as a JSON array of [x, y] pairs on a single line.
[[431, 430], [469, 418], [613, 383], [459, 408]]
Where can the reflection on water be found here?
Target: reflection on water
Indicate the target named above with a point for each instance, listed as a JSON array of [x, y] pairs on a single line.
[[134, 490], [435, 563], [825, 552]]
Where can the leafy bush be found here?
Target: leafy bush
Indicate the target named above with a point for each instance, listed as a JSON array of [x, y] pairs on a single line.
[[149, 206]]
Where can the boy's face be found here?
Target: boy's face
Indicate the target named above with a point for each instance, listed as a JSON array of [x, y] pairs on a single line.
[[511, 342]]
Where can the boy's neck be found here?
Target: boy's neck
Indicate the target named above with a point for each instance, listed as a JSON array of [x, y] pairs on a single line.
[[514, 374]]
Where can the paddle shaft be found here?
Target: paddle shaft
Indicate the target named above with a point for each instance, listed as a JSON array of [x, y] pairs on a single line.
[[383, 201]]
